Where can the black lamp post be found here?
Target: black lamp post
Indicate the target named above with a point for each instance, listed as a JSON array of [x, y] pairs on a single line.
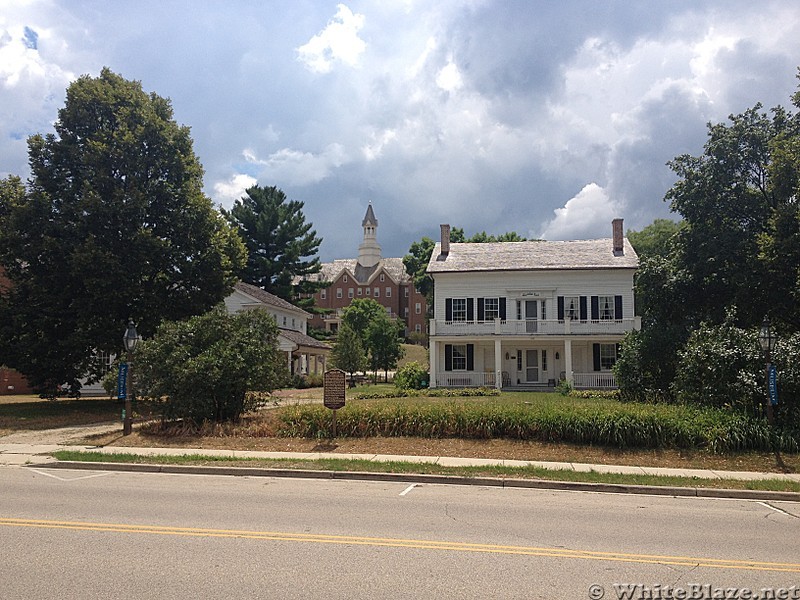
[[767, 338], [131, 340]]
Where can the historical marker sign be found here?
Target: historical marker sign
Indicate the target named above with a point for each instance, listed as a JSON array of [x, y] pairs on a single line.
[[333, 395]]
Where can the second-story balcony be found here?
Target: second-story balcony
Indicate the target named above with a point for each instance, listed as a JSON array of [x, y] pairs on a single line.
[[535, 327]]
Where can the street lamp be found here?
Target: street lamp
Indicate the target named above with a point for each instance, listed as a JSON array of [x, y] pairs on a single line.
[[131, 339], [767, 338]]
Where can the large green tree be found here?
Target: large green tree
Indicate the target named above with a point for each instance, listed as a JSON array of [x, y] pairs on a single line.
[[655, 239], [113, 224], [282, 246]]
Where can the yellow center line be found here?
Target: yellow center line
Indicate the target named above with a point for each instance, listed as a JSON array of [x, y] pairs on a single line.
[[407, 543]]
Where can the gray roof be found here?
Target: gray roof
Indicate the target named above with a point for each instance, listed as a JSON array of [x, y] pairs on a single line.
[[331, 271], [267, 298], [369, 218], [301, 339], [533, 256]]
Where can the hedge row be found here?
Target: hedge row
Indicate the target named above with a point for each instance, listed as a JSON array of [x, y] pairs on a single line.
[[618, 426]]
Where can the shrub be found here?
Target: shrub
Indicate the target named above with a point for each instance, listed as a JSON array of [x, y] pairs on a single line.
[[202, 368], [721, 365], [412, 376]]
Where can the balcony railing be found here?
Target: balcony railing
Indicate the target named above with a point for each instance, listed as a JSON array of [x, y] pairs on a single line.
[[594, 381], [534, 327]]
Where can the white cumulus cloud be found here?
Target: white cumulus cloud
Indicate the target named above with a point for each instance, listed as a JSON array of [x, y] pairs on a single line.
[[339, 41], [587, 215], [228, 192]]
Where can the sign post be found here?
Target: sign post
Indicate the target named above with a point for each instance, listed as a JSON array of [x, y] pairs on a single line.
[[333, 394], [122, 381]]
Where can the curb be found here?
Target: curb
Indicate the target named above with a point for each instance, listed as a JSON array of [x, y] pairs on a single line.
[[540, 484]]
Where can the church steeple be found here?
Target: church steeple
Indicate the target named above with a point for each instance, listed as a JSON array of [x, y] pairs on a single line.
[[369, 251]]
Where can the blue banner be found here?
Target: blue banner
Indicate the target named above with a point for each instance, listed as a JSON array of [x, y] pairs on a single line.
[[773, 384], [122, 381]]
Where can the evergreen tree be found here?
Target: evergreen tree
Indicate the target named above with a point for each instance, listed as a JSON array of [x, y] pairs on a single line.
[[282, 247]]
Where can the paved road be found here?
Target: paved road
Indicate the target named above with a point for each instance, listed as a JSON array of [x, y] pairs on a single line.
[[78, 534]]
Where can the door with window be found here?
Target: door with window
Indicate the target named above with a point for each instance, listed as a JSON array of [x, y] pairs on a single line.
[[531, 316], [532, 366]]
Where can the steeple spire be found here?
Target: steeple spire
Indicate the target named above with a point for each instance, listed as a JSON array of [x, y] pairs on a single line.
[[369, 252]]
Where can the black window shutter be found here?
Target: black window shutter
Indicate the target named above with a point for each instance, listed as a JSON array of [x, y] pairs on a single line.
[[561, 308], [618, 307], [480, 309], [448, 357], [595, 308], [448, 309], [470, 309], [502, 309], [596, 353], [470, 357], [584, 312]]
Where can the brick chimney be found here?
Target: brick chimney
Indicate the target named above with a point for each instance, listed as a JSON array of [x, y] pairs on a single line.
[[445, 240], [616, 228]]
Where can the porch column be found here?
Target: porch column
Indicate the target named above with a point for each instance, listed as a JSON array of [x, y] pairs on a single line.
[[289, 362], [434, 354], [498, 363], [568, 361]]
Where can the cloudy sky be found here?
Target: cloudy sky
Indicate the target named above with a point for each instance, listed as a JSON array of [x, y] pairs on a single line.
[[548, 118]]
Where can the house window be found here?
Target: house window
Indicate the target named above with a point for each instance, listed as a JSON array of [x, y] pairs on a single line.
[[491, 309], [350, 293], [377, 292], [388, 292], [405, 312], [544, 361], [293, 324], [368, 291], [608, 356], [406, 292], [338, 292], [323, 294], [544, 310], [459, 309], [606, 306], [572, 308], [459, 357], [418, 328], [388, 311], [284, 321], [382, 277], [519, 360], [418, 308], [344, 278], [360, 291]]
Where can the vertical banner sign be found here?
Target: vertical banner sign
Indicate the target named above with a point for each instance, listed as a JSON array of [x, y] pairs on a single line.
[[122, 380], [773, 385]]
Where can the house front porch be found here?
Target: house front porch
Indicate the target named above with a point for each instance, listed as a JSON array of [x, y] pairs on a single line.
[[533, 363]]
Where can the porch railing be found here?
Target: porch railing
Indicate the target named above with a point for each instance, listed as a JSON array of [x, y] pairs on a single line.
[[594, 381], [534, 327], [460, 379]]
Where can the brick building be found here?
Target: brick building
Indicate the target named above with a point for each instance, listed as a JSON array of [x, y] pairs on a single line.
[[385, 280]]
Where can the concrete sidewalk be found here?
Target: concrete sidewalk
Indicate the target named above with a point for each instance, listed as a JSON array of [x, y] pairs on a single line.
[[37, 454]]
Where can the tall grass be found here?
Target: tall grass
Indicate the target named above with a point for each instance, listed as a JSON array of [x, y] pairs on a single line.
[[605, 423]]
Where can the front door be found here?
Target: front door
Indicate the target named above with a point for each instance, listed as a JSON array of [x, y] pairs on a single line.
[[531, 311], [532, 366]]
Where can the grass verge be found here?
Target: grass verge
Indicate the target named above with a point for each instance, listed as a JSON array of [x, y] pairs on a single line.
[[529, 472]]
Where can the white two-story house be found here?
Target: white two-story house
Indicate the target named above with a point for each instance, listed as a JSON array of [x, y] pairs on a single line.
[[529, 314], [304, 354]]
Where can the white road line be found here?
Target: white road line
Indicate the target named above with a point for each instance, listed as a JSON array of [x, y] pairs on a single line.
[[408, 489], [777, 510], [73, 478]]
